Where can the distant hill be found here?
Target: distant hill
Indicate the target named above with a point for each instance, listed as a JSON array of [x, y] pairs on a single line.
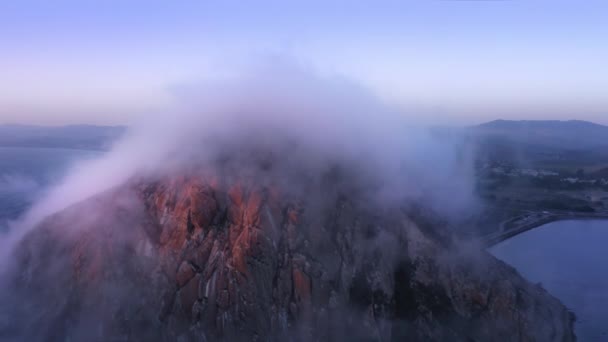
[[572, 135], [575, 142], [542, 124], [86, 137]]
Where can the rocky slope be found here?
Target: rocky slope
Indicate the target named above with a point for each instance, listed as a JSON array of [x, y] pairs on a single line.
[[206, 258]]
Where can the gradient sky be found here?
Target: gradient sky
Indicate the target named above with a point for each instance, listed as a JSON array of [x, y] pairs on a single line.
[[451, 61]]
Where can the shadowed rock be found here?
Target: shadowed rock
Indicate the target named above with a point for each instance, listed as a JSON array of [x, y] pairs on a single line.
[[206, 258]]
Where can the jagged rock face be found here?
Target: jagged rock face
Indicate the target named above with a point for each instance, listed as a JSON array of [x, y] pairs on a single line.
[[209, 258]]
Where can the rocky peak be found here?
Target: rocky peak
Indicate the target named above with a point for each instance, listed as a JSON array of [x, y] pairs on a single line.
[[206, 258]]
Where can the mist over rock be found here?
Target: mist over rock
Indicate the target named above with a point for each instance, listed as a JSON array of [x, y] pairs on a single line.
[[295, 208], [215, 257]]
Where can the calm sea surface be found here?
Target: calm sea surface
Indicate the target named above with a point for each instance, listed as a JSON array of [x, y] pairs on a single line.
[[26, 172], [570, 259]]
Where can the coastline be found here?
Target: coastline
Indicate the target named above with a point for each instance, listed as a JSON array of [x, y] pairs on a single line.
[[529, 223]]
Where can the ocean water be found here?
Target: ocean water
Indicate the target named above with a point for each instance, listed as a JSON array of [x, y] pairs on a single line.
[[25, 173], [569, 258]]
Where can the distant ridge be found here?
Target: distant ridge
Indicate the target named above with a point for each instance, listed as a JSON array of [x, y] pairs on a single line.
[[87, 137], [60, 127], [508, 124], [554, 134]]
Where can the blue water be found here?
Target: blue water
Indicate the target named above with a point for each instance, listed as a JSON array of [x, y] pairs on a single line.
[[570, 259], [26, 172]]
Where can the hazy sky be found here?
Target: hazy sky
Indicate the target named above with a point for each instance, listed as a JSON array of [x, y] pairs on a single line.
[[451, 61]]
